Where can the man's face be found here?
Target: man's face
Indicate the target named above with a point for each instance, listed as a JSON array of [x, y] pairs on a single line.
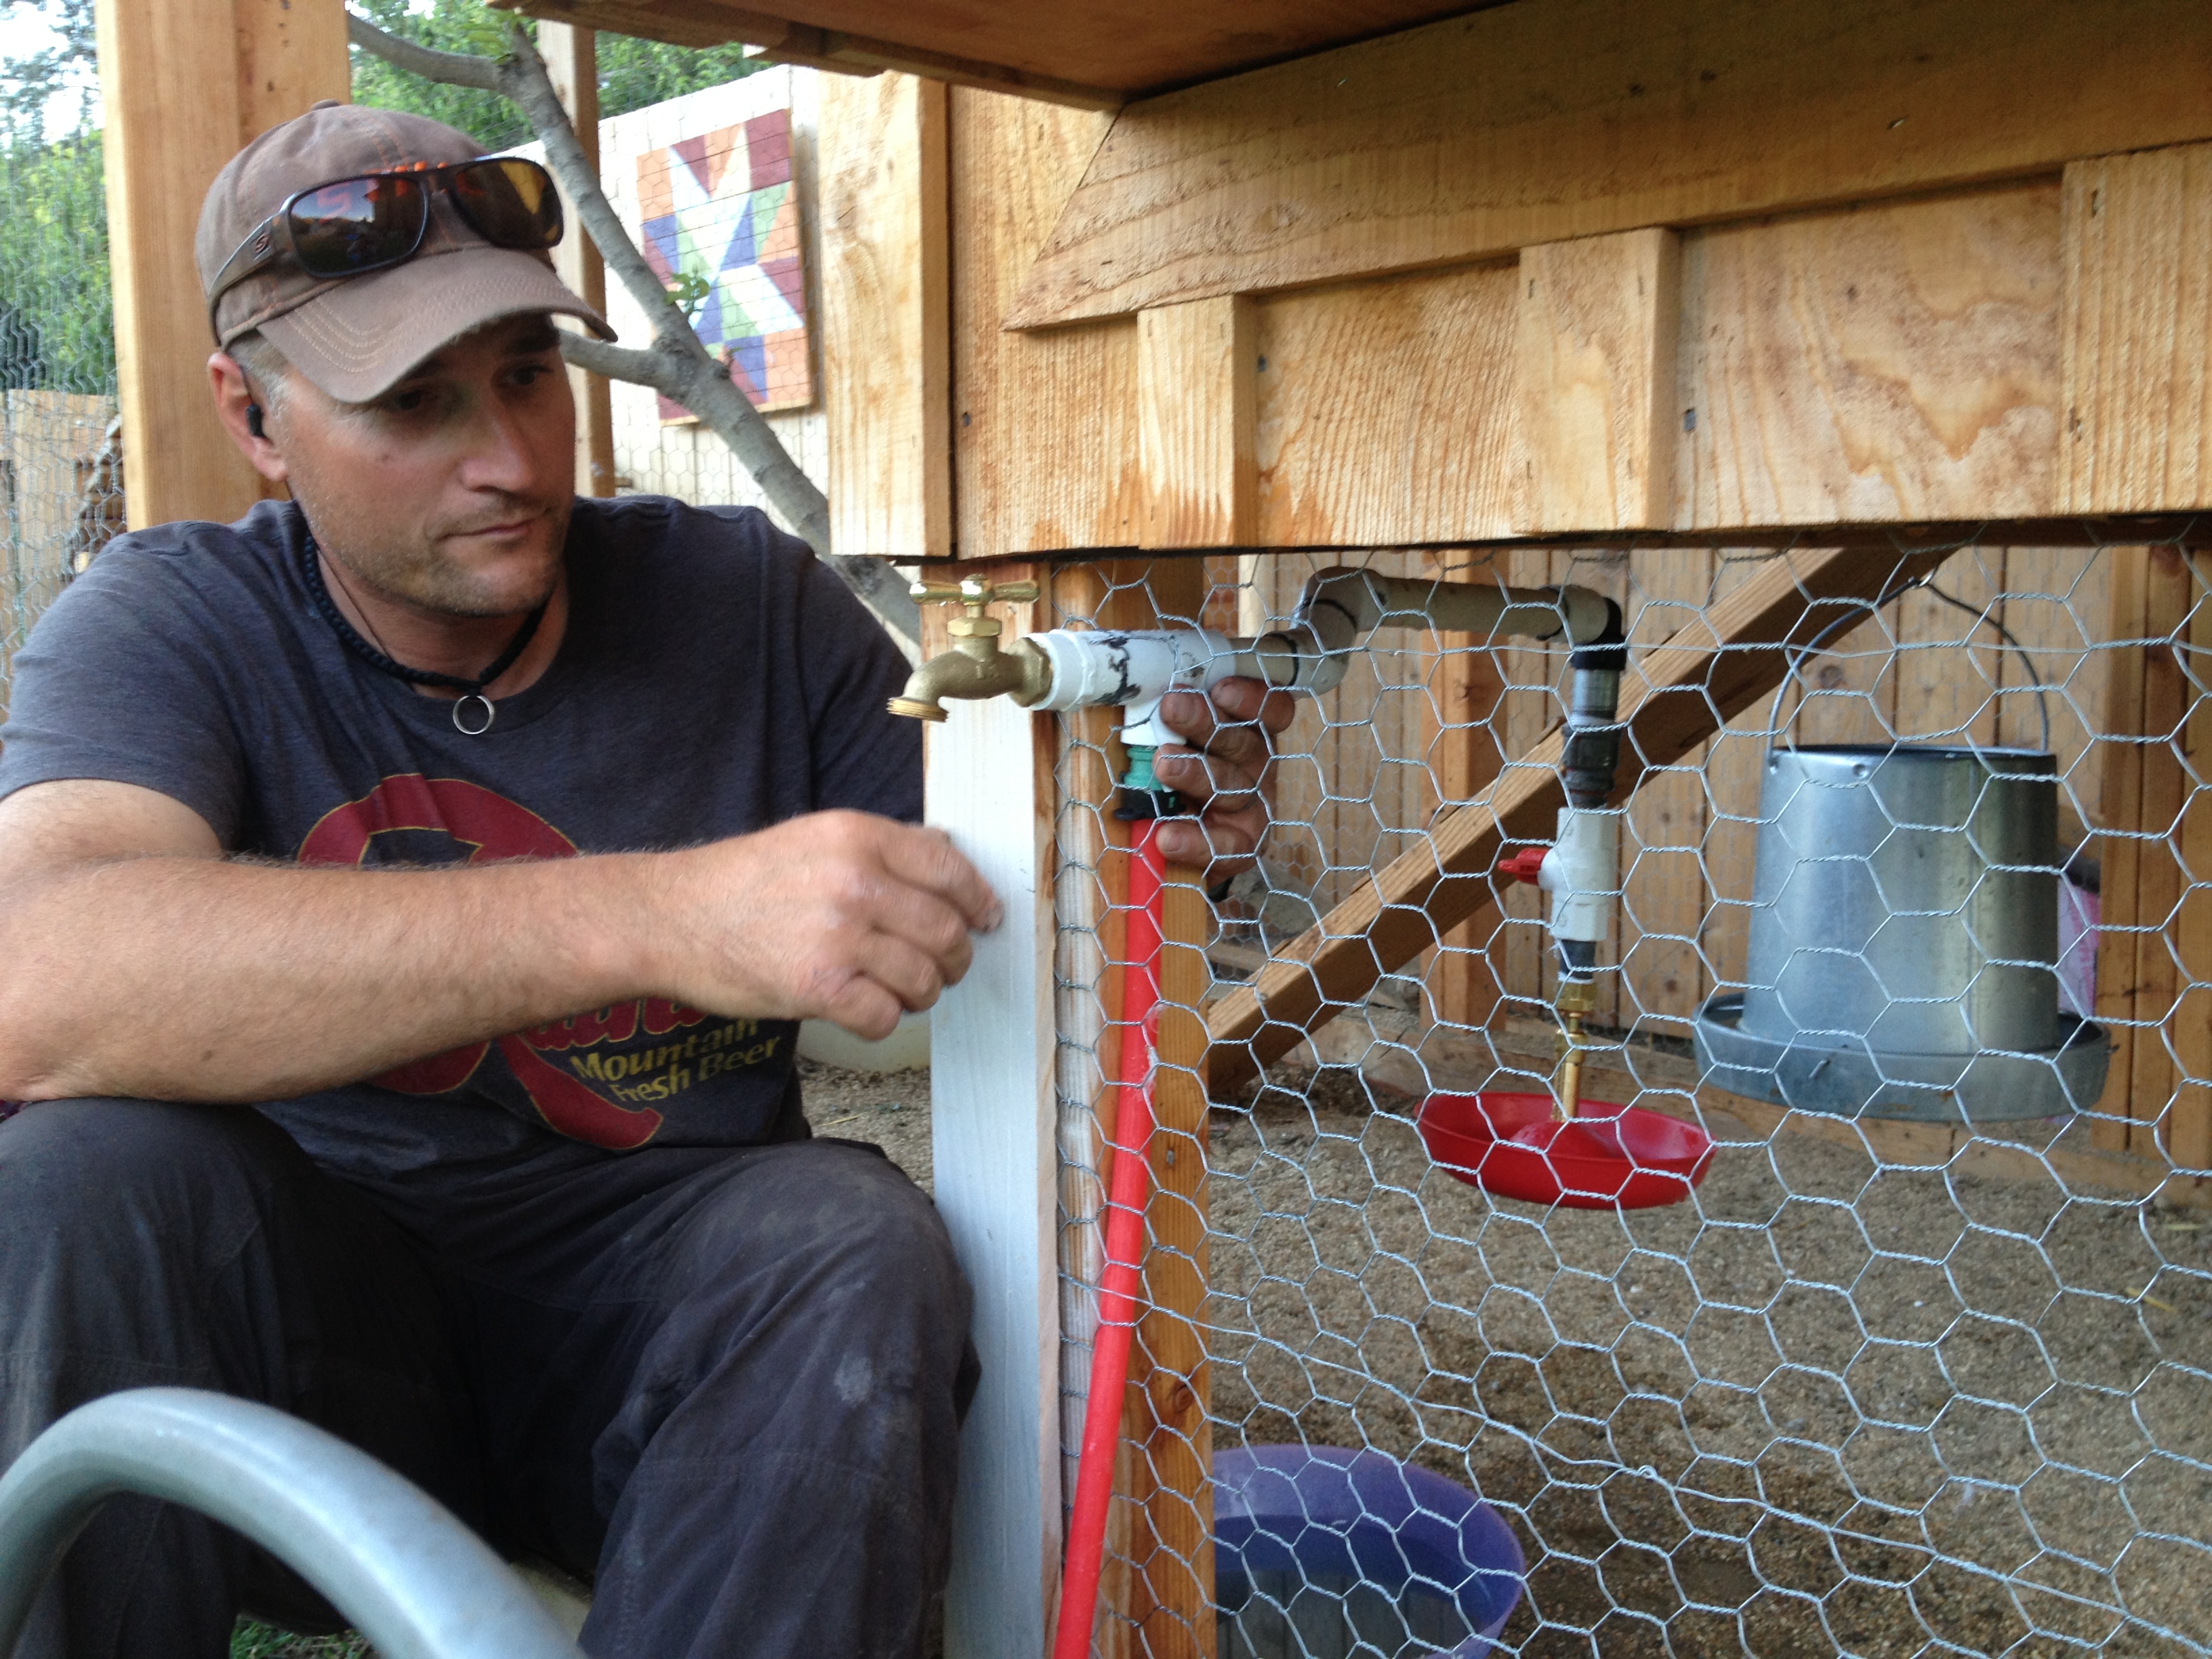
[[449, 495]]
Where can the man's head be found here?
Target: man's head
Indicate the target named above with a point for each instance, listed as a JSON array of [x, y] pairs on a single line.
[[354, 336], [419, 412]]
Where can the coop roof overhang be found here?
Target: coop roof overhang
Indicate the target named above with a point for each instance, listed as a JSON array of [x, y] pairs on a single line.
[[1097, 56]]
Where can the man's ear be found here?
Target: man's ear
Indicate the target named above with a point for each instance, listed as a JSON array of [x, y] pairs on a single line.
[[243, 417]]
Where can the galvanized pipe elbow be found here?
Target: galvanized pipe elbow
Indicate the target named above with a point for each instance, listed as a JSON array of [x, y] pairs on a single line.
[[386, 1554]]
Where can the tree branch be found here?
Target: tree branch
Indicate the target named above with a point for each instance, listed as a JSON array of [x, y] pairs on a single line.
[[677, 364], [454, 69]]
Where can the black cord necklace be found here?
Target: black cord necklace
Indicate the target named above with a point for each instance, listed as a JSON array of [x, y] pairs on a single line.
[[471, 690]]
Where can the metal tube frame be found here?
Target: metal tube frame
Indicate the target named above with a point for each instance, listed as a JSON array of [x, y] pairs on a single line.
[[391, 1559]]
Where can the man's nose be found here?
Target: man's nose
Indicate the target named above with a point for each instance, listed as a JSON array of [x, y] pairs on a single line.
[[500, 454]]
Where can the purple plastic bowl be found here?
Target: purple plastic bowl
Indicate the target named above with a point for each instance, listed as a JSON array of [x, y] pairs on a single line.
[[1329, 1514]]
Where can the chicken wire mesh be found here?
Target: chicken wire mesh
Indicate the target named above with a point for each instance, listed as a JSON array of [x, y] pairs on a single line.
[[61, 463], [1881, 1384]]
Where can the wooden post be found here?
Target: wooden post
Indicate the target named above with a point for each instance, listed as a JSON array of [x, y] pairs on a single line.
[[992, 1046], [572, 60], [886, 315], [2158, 879], [2119, 810], [1463, 721], [1195, 368], [186, 84], [1663, 904], [1092, 885], [1159, 1597]]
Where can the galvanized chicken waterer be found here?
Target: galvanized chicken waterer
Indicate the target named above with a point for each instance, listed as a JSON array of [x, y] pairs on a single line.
[[1905, 941]]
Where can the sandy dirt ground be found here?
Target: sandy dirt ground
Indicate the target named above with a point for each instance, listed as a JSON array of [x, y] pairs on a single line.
[[888, 1109], [1828, 1407]]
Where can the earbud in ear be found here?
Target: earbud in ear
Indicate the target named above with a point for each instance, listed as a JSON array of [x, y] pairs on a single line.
[[254, 420]]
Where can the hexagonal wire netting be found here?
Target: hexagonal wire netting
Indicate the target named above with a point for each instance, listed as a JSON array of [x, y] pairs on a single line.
[[1885, 1382], [61, 459]]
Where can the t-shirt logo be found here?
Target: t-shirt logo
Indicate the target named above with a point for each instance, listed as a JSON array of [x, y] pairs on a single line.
[[586, 1097]]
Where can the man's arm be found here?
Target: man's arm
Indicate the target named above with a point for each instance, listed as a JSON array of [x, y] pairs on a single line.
[[136, 959]]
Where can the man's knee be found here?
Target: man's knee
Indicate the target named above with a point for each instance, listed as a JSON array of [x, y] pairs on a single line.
[[847, 1231], [809, 1264]]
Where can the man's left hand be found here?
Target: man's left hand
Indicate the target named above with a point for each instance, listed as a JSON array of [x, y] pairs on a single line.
[[1227, 773]]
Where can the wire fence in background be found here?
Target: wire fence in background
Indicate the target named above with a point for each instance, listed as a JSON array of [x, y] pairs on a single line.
[[61, 459], [1885, 1383]]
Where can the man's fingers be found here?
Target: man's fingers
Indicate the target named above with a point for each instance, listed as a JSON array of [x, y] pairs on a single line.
[[1219, 846], [1248, 700], [1209, 778], [864, 1008], [905, 971], [1238, 720], [1232, 731], [878, 907], [927, 858], [1232, 703]]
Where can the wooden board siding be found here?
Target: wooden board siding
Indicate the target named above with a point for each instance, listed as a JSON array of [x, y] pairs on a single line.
[[1556, 118], [1044, 444], [886, 315], [1898, 360], [2138, 314]]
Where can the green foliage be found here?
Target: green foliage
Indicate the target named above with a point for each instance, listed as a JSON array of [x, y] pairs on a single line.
[[27, 84], [253, 1641], [460, 25], [57, 325], [633, 73], [690, 291]]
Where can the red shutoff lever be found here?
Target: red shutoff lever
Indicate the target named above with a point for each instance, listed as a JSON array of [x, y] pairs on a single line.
[[1527, 865]]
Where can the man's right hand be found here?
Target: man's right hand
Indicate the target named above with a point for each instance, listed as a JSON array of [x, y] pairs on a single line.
[[838, 915], [136, 959]]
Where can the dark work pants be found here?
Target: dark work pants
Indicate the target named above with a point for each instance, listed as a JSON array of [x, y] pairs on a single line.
[[726, 1382]]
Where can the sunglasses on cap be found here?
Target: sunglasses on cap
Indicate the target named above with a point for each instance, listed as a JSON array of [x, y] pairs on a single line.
[[350, 227]]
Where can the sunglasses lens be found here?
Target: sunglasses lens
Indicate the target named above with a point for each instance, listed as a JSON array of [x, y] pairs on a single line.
[[358, 224], [510, 202]]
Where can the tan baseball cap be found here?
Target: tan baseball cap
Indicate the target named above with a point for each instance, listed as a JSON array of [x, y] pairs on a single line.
[[354, 336]]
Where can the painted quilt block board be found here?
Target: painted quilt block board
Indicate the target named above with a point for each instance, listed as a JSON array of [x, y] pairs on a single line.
[[722, 208]]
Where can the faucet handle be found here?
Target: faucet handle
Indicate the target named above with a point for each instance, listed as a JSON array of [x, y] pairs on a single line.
[[973, 591], [972, 594]]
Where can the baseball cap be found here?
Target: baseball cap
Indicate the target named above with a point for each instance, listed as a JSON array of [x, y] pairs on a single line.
[[355, 336]]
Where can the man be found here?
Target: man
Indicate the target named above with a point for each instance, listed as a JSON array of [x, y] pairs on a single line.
[[489, 843]]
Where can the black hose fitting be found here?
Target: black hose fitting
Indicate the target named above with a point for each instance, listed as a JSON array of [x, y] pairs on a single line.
[[1609, 650]]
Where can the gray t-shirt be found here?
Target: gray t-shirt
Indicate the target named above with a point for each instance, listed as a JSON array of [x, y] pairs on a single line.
[[714, 680]]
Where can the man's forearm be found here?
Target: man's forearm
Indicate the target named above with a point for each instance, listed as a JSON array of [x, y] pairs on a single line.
[[184, 978]]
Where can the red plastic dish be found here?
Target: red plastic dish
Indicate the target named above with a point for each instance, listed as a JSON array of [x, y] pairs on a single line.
[[1608, 1157]]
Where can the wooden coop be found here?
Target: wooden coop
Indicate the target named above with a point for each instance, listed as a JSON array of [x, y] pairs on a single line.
[[1736, 309]]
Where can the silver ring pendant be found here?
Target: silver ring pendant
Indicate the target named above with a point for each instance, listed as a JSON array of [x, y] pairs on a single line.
[[481, 701]]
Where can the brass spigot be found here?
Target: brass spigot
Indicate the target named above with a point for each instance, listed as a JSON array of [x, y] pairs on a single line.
[[1576, 998], [975, 667]]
